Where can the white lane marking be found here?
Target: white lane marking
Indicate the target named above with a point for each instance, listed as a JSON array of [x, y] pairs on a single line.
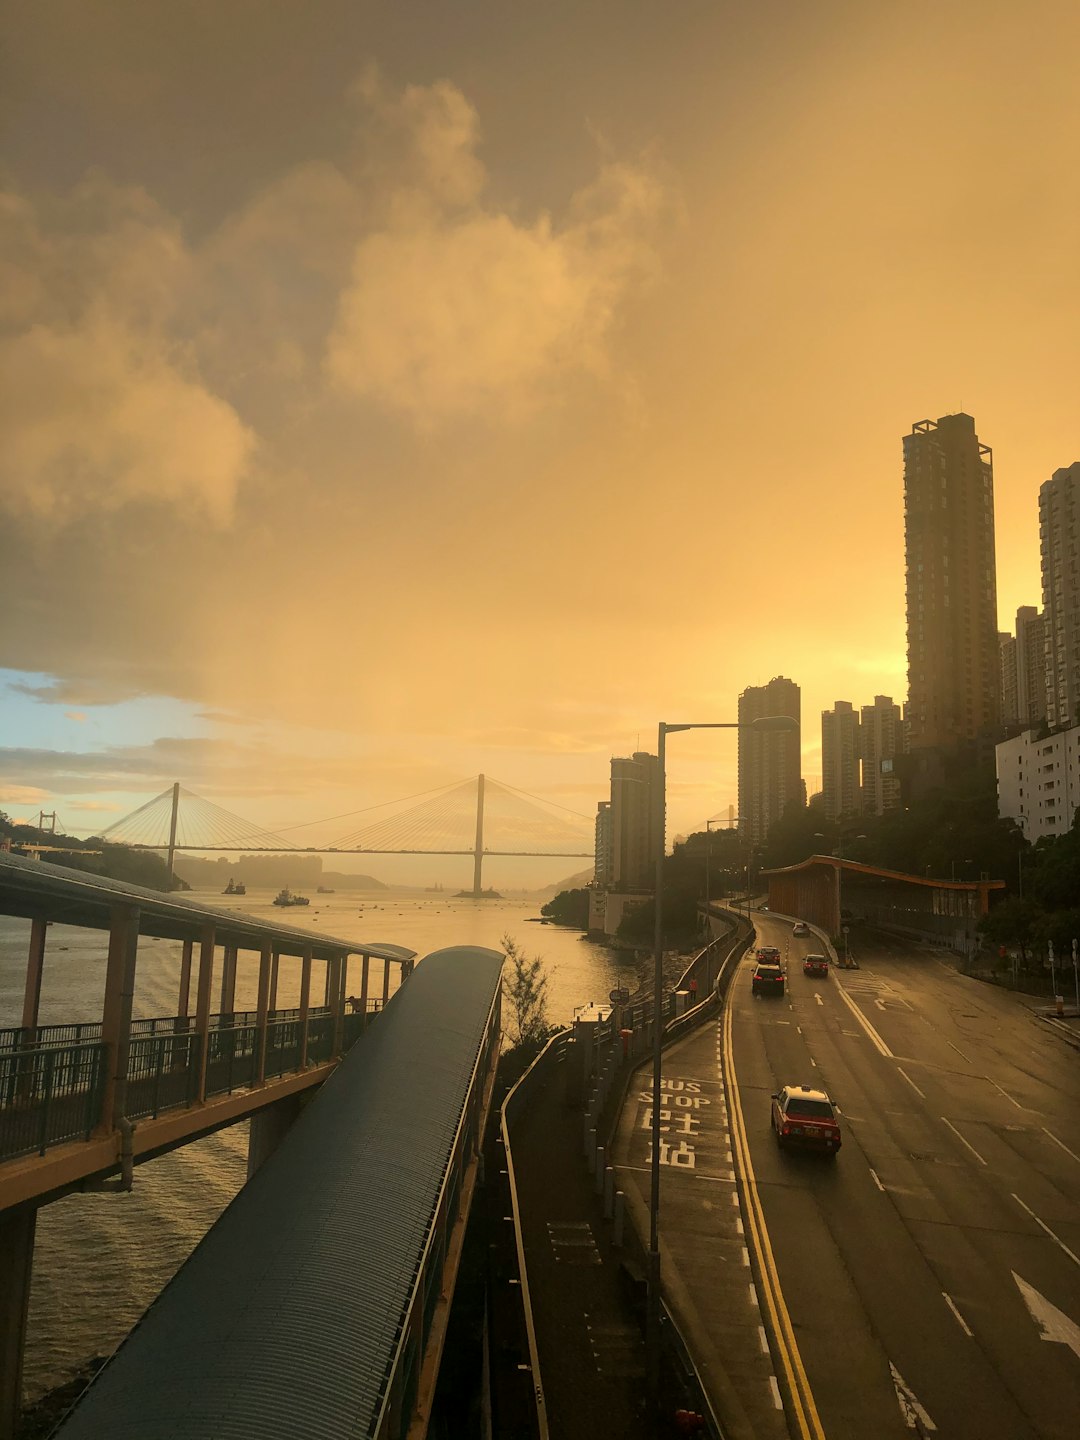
[[1043, 1226], [799, 1029], [880, 1004], [776, 1393], [813, 1062], [1005, 1093], [746, 1257], [877, 1182], [964, 1326], [911, 1082], [818, 998], [1062, 1144], [883, 1049], [1053, 1324], [913, 1413], [960, 1137], [763, 1339], [739, 1225], [753, 1296], [958, 1051]]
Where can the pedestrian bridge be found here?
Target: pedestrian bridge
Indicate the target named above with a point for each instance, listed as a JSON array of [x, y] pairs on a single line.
[[81, 1105], [318, 1303]]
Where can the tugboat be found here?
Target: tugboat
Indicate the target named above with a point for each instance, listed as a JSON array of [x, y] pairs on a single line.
[[286, 897], [235, 887]]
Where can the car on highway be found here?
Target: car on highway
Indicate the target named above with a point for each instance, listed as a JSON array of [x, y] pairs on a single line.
[[807, 1118], [769, 953], [768, 978], [816, 965], [800, 928]]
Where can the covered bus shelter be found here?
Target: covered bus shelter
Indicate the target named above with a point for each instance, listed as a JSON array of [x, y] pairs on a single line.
[[828, 891]]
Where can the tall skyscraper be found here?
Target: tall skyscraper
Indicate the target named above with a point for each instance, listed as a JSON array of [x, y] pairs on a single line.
[[954, 671], [1059, 522], [633, 823], [881, 734], [840, 781], [770, 762], [1030, 665], [1010, 689], [604, 872]]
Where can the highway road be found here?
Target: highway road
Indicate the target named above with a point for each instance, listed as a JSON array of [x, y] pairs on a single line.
[[932, 1271]]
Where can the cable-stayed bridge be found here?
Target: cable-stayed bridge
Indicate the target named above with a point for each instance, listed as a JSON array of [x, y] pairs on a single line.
[[476, 817]]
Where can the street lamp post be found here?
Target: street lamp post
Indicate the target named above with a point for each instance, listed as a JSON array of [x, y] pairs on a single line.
[[652, 1328]]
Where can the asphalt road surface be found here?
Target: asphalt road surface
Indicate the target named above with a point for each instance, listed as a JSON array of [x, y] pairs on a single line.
[[932, 1271]]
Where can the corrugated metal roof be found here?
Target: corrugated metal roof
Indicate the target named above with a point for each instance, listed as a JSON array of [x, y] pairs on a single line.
[[73, 897], [285, 1320]]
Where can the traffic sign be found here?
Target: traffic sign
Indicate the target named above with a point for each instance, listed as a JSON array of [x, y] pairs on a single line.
[[619, 997]]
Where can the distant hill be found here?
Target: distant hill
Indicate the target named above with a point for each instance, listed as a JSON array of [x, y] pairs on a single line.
[[572, 882], [269, 872]]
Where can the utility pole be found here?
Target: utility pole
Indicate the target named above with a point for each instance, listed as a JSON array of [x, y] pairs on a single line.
[[478, 852]]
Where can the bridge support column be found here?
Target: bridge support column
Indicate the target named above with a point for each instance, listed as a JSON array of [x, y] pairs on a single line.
[[275, 965], [335, 983], [269, 1127], [17, 1229], [305, 1003], [116, 1014], [385, 982], [228, 979], [263, 1004], [202, 1015], [365, 975], [35, 965]]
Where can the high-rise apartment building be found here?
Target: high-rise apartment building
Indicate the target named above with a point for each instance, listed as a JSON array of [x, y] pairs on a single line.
[[770, 762], [954, 670], [1030, 665], [1010, 690], [604, 870], [1059, 524], [633, 823], [840, 780], [881, 735]]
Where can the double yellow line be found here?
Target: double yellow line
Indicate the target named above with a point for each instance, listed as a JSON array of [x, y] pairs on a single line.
[[801, 1407]]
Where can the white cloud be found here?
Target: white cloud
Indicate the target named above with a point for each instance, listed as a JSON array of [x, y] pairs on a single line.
[[457, 308], [100, 404]]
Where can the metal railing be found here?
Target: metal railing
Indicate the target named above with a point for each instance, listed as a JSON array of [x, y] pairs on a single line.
[[50, 1092], [49, 1096], [14, 1037]]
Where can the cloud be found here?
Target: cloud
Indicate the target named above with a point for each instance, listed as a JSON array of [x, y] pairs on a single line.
[[456, 308], [21, 794], [76, 715], [109, 806], [101, 404]]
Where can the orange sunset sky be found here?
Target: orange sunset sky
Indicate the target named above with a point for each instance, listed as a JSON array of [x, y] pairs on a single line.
[[391, 392]]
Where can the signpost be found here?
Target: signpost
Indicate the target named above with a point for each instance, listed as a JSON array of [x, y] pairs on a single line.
[[1076, 978]]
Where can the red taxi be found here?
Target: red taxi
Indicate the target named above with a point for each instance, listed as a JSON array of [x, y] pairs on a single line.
[[806, 1118]]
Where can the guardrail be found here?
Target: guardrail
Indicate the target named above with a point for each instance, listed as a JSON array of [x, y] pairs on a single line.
[[14, 1037]]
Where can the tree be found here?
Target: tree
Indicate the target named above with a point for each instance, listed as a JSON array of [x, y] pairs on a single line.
[[570, 907], [525, 989], [1012, 922]]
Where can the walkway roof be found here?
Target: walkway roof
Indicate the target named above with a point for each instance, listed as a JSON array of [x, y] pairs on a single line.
[[287, 1319], [875, 872], [33, 888]]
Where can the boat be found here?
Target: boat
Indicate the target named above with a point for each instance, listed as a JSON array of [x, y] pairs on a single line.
[[325, 890], [286, 897], [235, 887]]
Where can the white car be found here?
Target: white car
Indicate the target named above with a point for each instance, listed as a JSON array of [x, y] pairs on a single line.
[[800, 928]]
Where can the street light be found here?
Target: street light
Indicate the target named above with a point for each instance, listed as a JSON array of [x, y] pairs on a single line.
[[652, 1329]]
